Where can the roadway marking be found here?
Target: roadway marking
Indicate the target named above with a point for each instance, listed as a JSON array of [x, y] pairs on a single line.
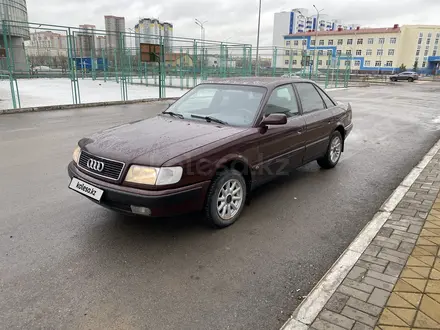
[[310, 307]]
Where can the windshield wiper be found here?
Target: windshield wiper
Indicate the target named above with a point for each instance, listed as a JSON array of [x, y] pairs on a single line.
[[210, 119], [174, 114]]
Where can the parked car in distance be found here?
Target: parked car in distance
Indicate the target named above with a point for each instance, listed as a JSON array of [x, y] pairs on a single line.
[[290, 75], [211, 148], [407, 75]]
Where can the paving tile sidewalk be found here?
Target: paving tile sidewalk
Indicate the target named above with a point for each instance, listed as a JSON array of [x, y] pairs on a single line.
[[395, 284]]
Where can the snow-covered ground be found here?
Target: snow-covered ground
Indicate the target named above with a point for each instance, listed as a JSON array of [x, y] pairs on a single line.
[[46, 91]]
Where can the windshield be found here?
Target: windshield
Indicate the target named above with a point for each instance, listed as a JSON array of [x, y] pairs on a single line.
[[233, 105]]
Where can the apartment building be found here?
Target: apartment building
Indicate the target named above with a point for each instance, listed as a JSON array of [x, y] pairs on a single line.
[[368, 49], [148, 30], [301, 20], [46, 43], [114, 26]]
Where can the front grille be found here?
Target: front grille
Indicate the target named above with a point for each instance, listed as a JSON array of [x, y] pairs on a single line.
[[112, 169]]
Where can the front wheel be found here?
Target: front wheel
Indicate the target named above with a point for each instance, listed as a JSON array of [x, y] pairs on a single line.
[[226, 199], [333, 153], [410, 79]]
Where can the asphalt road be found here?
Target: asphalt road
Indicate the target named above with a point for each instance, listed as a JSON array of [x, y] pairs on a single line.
[[66, 263]]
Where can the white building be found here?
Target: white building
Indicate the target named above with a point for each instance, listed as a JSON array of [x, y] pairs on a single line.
[[46, 43], [301, 20]]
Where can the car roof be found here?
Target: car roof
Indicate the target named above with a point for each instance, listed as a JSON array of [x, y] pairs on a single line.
[[268, 82]]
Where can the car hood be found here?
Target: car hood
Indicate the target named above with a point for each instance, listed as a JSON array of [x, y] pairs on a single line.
[[155, 140]]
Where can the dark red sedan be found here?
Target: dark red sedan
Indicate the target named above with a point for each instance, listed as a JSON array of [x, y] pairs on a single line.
[[211, 148]]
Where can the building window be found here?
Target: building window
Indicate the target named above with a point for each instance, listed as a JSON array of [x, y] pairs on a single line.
[[358, 52], [329, 52], [417, 52], [369, 52], [287, 43], [428, 41], [381, 41], [286, 62], [426, 52], [420, 41], [348, 52], [370, 41], [347, 63], [379, 52], [339, 52], [294, 62], [330, 42], [393, 41], [295, 43], [378, 63], [423, 64], [321, 42], [436, 42], [438, 36], [320, 62], [367, 63], [328, 62], [421, 35], [295, 53], [429, 35], [349, 41], [419, 47], [287, 52], [357, 63], [360, 41], [320, 52], [427, 47], [389, 63], [390, 52], [312, 42], [434, 53], [304, 42], [340, 41]]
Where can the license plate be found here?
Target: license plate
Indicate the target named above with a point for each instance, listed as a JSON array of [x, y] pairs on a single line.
[[86, 189]]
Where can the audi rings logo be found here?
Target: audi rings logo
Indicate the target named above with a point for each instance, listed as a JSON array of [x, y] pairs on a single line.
[[93, 164]]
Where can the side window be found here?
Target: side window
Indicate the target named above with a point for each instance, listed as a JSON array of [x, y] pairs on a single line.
[[309, 96], [282, 100], [328, 101]]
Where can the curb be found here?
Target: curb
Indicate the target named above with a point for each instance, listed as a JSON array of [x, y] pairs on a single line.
[[82, 105], [308, 310]]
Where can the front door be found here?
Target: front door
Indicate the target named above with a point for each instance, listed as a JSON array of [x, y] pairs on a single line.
[[281, 147], [319, 121]]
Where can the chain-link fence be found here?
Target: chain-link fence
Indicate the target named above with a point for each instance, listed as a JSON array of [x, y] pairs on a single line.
[[72, 65]]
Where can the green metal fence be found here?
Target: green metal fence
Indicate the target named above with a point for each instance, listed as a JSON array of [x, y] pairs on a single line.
[[62, 64]]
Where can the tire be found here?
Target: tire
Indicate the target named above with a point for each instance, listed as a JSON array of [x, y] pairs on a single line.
[[331, 159], [221, 188], [410, 79], [394, 79]]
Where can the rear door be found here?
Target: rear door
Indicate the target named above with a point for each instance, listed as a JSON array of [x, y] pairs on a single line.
[[282, 147], [319, 119]]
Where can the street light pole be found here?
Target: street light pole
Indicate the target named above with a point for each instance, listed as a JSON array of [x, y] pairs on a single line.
[[257, 62], [316, 38]]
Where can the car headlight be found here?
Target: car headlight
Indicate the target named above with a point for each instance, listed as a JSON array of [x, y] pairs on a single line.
[[76, 154], [153, 175]]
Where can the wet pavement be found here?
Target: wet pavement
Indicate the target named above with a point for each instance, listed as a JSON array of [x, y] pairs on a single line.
[[67, 263]]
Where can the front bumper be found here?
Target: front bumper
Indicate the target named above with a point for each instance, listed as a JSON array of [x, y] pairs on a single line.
[[162, 203]]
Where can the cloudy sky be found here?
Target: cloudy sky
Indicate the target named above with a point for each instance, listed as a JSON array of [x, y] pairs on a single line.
[[232, 20]]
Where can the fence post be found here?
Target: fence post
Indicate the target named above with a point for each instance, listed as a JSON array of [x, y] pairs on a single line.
[[71, 62], [274, 59], [5, 30]]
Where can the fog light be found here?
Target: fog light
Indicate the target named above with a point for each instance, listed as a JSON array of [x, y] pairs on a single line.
[[140, 210]]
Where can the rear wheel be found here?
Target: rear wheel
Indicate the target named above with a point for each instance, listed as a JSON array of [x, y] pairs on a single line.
[[333, 153], [410, 79], [226, 199]]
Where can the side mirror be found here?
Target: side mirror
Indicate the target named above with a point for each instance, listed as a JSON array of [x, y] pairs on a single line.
[[274, 119]]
